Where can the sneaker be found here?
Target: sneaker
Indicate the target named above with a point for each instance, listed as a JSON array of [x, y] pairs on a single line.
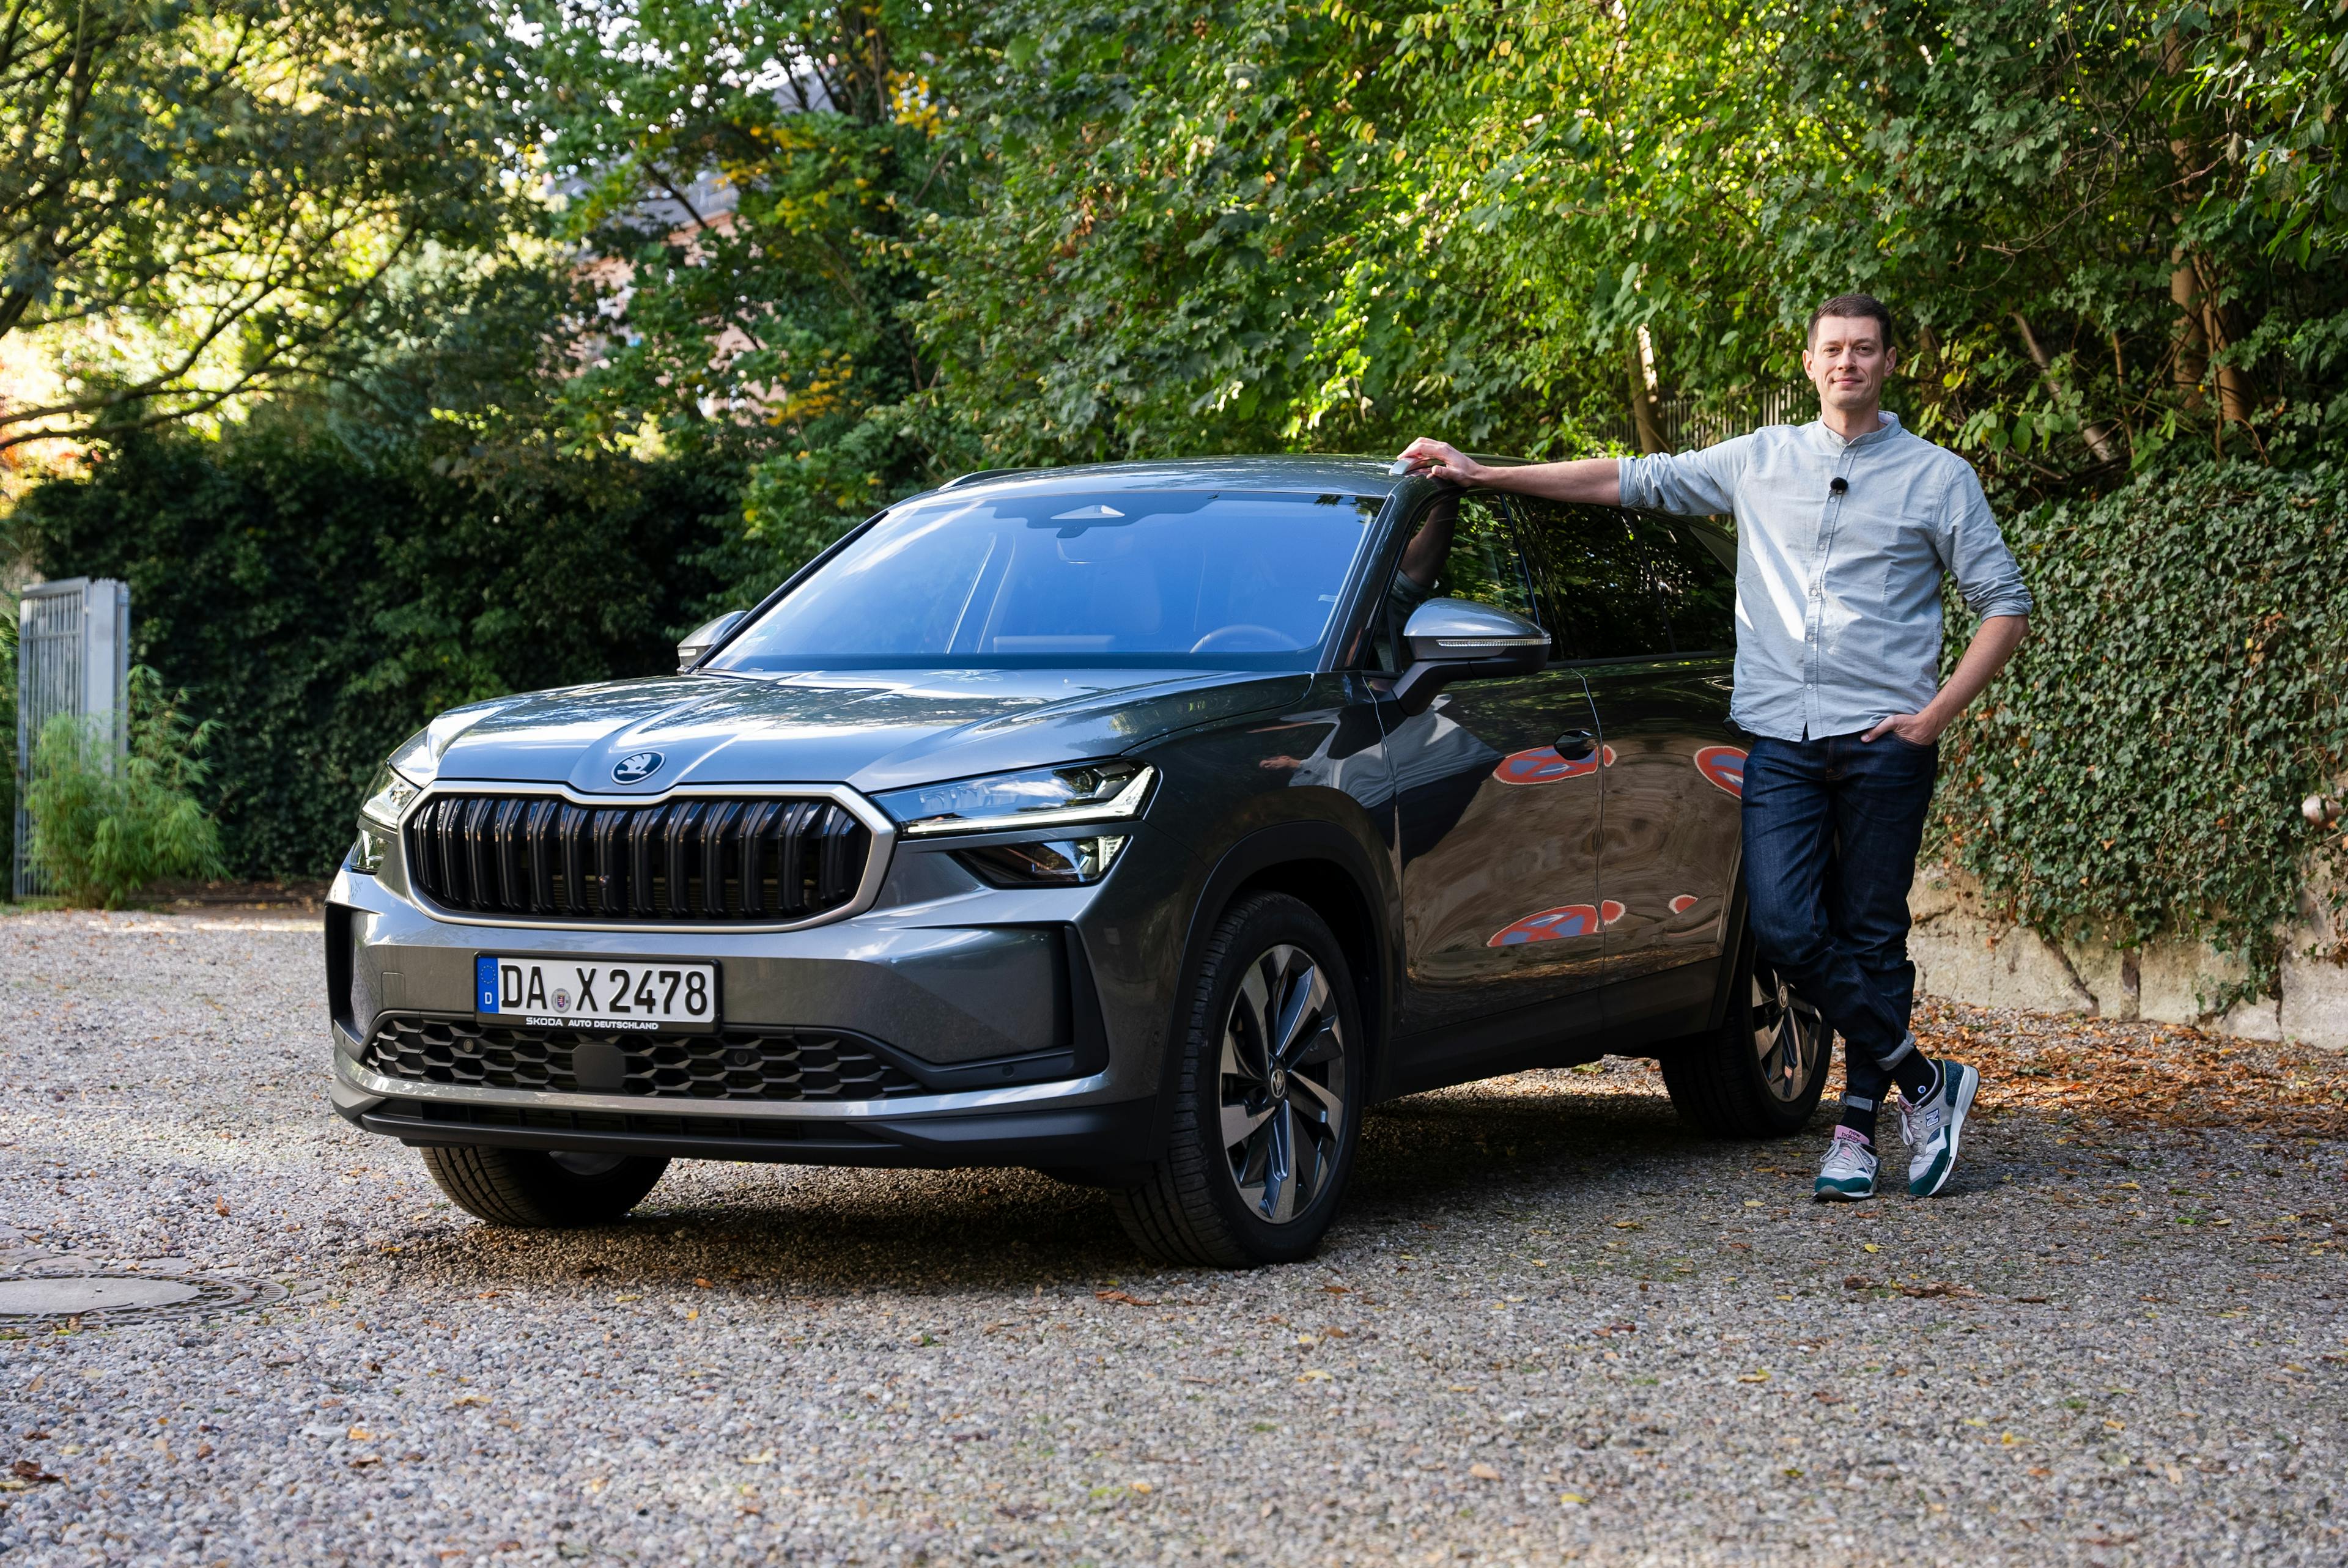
[[1848, 1174], [1933, 1128]]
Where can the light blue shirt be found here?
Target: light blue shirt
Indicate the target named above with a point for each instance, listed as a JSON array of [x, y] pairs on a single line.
[[1838, 595]]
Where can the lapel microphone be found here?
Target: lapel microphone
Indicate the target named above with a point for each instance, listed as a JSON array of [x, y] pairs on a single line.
[[1839, 486]]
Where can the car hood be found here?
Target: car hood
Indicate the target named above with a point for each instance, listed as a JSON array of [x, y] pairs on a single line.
[[874, 731]]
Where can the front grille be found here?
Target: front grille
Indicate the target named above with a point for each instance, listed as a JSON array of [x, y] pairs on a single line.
[[698, 859], [739, 1065]]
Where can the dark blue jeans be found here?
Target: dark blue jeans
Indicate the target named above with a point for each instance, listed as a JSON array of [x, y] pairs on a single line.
[[1831, 831]]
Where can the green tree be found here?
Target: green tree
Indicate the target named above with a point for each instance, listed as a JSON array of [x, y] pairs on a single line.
[[748, 181], [199, 199]]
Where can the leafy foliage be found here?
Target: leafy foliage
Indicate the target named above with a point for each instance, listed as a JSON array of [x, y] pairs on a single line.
[[106, 825], [199, 198], [322, 606], [2138, 768], [747, 179]]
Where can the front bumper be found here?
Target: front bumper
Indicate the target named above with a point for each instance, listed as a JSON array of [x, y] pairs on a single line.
[[1031, 1023]]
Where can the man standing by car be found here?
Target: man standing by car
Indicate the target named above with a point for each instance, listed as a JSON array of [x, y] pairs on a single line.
[[1845, 528]]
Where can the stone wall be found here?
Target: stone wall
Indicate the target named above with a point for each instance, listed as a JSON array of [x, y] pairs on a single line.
[[1965, 951]]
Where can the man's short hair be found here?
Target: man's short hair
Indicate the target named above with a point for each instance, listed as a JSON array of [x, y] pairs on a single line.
[[1852, 306]]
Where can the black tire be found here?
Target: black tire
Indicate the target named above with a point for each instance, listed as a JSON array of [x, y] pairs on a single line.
[[530, 1189], [1197, 1205], [1760, 1073]]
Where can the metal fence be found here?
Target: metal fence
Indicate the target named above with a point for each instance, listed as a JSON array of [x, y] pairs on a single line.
[[1687, 426], [72, 656]]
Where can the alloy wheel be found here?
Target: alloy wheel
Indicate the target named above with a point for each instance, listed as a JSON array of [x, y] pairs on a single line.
[[1281, 1084], [1788, 1036]]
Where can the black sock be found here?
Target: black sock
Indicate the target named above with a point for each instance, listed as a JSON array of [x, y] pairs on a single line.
[[1859, 1115], [1917, 1074]]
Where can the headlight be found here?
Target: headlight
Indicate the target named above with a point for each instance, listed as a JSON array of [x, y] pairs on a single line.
[[417, 761], [388, 796], [1038, 798], [1061, 862]]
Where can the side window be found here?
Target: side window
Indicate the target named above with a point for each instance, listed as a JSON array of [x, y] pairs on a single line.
[[1460, 546], [1697, 587], [1595, 581]]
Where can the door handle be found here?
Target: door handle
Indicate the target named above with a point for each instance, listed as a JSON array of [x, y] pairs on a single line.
[[1575, 744]]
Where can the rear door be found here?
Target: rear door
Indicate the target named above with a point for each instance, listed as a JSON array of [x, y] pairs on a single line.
[[1496, 815], [1646, 607]]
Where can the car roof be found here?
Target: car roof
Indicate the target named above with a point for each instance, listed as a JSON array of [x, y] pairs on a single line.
[[1345, 473]]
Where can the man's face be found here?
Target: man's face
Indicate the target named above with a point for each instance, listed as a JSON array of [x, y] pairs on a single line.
[[1846, 361]]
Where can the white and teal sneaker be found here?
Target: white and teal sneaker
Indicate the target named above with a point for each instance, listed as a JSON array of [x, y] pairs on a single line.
[[1848, 1175], [1933, 1128]]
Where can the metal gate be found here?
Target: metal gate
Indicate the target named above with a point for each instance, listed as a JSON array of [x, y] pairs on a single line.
[[72, 656]]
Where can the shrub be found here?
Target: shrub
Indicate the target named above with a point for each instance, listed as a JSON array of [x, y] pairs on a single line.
[[107, 825], [2138, 769]]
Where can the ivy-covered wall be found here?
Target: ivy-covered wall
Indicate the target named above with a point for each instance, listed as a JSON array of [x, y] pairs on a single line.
[[2138, 769]]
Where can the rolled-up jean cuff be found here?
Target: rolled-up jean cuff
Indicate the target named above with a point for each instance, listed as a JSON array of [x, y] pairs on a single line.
[[1899, 1054], [1858, 1103]]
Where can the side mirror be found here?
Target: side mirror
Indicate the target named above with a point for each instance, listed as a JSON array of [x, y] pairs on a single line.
[[703, 639], [1460, 639]]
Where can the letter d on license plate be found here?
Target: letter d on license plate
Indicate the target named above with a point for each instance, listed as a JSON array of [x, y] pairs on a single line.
[[647, 994]]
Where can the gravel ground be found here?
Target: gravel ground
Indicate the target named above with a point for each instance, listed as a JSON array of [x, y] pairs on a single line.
[[1552, 1326]]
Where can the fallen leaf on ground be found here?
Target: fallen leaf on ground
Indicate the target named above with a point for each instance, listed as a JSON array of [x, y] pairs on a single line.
[[1121, 1298], [25, 1470], [1483, 1472], [1758, 1375], [471, 1399]]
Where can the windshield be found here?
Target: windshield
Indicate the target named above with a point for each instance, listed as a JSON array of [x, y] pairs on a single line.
[[1171, 577]]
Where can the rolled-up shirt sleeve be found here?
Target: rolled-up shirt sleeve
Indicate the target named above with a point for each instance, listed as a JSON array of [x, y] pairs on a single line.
[[1687, 484], [1974, 551]]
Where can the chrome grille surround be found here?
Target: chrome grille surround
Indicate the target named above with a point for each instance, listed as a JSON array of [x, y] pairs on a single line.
[[737, 1064], [486, 853]]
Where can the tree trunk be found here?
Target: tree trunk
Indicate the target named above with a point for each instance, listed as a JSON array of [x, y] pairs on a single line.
[[1639, 360], [2098, 432], [2189, 363]]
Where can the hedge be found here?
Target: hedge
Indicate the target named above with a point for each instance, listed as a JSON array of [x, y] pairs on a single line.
[[322, 606]]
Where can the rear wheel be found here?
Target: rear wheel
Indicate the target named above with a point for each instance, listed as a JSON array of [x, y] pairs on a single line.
[[1759, 1075], [532, 1189], [1267, 1099]]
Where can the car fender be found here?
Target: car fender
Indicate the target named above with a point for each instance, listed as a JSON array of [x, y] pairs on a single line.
[[1354, 849]]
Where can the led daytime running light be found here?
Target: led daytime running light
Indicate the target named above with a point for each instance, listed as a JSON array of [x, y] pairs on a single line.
[[1126, 802]]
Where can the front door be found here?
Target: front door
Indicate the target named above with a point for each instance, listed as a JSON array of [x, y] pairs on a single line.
[[1497, 814]]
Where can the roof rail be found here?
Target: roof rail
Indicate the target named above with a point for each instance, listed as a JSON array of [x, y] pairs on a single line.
[[978, 474]]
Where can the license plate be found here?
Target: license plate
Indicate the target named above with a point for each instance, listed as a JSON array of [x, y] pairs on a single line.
[[603, 993]]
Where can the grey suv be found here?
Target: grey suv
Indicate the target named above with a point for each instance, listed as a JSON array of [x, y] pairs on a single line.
[[1142, 825]]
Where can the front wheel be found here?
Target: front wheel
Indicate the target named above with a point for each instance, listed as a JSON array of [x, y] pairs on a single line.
[[1268, 1098], [1760, 1073], [529, 1189]]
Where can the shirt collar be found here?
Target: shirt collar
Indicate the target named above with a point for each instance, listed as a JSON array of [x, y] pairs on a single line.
[[1835, 443]]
